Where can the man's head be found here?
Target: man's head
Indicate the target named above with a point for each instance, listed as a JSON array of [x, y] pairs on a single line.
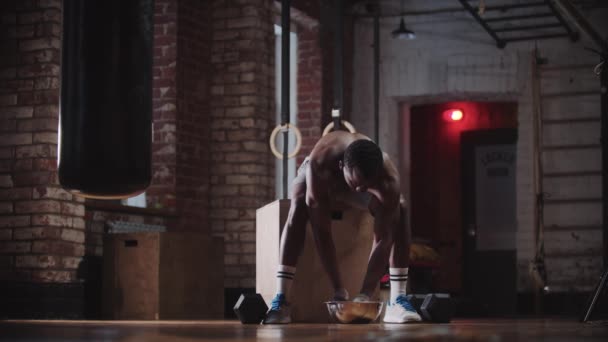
[[361, 165]]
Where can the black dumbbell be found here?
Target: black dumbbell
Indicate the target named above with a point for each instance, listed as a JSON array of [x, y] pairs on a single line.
[[437, 308], [416, 300], [250, 308]]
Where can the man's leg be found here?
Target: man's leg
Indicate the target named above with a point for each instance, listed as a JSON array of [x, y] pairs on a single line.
[[400, 257], [294, 231], [399, 309], [400, 253], [292, 242]]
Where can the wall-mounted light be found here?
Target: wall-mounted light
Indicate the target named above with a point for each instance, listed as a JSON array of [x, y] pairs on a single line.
[[453, 115]]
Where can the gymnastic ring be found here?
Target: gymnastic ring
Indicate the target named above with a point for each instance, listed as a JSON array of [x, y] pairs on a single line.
[[273, 136], [346, 124]]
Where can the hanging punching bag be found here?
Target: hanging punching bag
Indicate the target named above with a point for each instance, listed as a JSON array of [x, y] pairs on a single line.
[[106, 97]]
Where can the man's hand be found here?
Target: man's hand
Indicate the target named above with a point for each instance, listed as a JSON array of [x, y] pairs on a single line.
[[341, 295], [361, 297]]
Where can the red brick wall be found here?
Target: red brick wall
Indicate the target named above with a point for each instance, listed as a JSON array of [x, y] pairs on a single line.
[[161, 193], [242, 109], [41, 226], [193, 117], [182, 78], [213, 112]]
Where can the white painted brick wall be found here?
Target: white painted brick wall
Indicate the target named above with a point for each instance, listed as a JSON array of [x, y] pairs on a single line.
[[453, 58]]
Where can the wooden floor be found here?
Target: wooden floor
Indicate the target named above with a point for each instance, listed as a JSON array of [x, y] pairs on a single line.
[[178, 331]]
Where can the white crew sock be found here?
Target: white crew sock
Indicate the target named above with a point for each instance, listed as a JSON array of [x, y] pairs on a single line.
[[398, 278], [285, 276]]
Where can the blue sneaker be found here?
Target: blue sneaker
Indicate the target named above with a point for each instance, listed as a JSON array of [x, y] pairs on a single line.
[[401, 311], [279, 312]]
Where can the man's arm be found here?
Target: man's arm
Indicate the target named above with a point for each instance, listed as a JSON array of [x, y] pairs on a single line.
[[385, 219], [318, 203]]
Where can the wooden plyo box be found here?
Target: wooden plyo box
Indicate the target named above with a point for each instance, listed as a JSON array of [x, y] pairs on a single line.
[[353, 237], [163, 275]]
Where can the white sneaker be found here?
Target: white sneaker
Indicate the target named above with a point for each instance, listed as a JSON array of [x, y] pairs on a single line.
[[279, 312], [401, 311]]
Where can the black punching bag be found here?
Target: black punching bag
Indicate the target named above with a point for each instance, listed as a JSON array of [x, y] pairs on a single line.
[[106, 97]]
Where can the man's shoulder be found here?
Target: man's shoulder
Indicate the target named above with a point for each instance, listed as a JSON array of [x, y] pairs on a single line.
[[319, 167], [325, 157]]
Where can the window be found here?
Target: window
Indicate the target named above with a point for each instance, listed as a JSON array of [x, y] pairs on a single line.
[[136, 201]]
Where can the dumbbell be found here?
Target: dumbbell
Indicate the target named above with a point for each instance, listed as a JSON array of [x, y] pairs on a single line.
[[433, 307], [416, 301], [250, 308]]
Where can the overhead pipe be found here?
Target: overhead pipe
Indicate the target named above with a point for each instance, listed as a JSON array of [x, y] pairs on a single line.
[[499, 42], [573, 34], [501, 8], [582, 23]]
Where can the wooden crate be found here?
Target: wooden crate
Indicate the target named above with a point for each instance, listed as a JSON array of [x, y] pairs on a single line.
[[353, 237], [157, 275]]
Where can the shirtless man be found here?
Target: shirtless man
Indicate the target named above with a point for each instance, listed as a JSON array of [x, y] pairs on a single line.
[[348, 168]]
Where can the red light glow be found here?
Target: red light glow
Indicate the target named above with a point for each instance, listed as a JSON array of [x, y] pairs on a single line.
[[456, 115], [453, 115]]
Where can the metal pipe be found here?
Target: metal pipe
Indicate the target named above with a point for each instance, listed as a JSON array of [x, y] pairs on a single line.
[[502, 8], [377, 77], [538, 183], [499, 42], [338, 62], [413, 13], [519, 17], [583, 24], [285, 9], [604, 142], [285, 104], [540, 36], [572, 33], [596, 296], [527, 27]]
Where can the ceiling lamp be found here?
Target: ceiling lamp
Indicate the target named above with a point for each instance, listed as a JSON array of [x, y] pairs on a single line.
[[402, 32]]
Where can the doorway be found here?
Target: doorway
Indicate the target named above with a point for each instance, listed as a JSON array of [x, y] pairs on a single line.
[[489, 221], [436, 181]]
